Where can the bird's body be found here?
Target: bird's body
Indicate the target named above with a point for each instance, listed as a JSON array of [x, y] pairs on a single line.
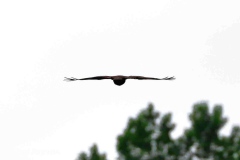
[[119, 79]]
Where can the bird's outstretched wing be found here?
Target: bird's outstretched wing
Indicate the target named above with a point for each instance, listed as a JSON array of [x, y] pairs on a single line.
[[149, 78], [89, 78]]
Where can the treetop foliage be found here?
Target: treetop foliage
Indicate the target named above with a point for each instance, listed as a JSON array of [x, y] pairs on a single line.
[[148, 137]]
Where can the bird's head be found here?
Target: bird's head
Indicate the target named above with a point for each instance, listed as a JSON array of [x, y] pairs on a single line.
[[119, 82]]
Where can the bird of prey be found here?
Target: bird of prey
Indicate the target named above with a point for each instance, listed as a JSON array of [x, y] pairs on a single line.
[[119, 79]]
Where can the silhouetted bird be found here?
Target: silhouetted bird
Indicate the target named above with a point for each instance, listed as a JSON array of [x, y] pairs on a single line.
[[119, 80]]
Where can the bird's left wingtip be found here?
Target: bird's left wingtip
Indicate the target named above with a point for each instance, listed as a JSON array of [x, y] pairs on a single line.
[[170, 78]]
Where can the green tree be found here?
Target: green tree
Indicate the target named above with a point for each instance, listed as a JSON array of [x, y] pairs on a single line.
[[137, 139], [202, 139], [145, 137], [93, 155], [148, 137]]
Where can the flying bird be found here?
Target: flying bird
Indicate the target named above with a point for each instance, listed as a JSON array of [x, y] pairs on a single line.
[[119, 80]]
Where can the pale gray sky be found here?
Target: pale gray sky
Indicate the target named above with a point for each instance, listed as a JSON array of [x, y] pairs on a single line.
[[44, 117]]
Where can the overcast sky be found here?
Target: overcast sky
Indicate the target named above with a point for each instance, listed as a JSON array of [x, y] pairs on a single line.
[[43, 117]]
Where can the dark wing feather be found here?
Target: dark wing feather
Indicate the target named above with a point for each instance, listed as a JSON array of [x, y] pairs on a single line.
[[89, 78], [149, 78]]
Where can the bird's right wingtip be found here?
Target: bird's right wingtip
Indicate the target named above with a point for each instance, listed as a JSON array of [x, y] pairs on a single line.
[[66, 79], [69, 79]]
